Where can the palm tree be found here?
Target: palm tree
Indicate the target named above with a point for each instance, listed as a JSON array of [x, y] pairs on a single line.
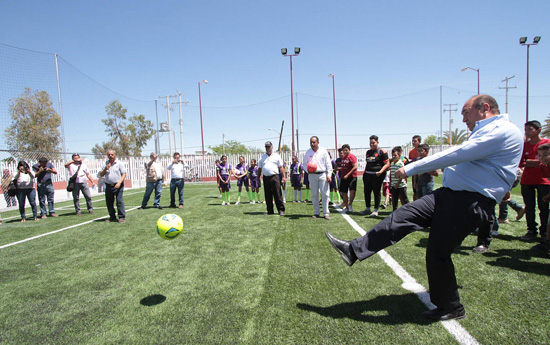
[[456, 137]]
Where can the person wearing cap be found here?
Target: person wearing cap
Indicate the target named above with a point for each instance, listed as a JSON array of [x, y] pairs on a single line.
[[270, 166], [44, 186], [78, 167], [154, 179], [319, 180], [533, 186]]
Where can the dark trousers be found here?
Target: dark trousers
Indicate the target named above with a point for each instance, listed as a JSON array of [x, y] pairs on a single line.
[[399, 194], [503, 208], [373, 184], [532, 195], [110, 194], [451, 216], [272, 191]]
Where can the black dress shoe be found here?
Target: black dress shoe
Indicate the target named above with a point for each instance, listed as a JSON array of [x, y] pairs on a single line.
[[342, 247], [440, 314], [159, 207]]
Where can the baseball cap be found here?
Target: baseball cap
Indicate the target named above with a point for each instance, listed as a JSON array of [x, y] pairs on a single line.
[[268, 143]]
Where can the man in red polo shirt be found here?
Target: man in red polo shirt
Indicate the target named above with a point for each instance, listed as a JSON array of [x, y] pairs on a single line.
[[348, 178], [533, 186]]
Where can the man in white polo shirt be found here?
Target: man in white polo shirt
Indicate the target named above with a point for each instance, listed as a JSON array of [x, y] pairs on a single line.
[[155, 179], [177, 180], [319, 180], [270, 165]]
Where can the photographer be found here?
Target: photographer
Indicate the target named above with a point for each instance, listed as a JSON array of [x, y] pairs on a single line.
[[25, 188], [155, 179], [177, 180], [76, 166], [44, 186]]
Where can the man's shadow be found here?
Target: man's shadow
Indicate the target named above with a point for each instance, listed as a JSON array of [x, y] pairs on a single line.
[[388, 310]]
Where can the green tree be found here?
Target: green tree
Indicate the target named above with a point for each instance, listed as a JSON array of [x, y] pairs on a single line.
[[128, 134], [34, 125], [432, 140], [456, 136], [285, 148], [545, 133], [231, 146]]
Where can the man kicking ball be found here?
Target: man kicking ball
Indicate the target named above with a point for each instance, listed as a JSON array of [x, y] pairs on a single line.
[[478, 173]]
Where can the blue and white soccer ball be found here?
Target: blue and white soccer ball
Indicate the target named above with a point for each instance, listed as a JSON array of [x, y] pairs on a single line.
[[169, 226]]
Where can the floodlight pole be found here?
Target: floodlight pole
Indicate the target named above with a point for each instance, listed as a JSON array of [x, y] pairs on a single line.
[[297, 52], [334, 105], [473, 69], [200, 107]]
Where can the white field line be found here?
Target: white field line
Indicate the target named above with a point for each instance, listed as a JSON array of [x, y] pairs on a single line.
[[59, 230], [410, 284]]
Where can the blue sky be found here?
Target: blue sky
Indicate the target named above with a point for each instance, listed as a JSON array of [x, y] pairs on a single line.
[[389, 59]]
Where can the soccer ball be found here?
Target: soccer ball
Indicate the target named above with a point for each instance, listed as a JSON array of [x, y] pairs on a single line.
[[169, 226], [311, 167]]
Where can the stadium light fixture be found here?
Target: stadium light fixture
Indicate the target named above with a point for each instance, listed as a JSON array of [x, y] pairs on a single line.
[[522, 41]]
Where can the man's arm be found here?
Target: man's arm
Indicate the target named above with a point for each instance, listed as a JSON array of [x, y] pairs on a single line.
[[117, 186]]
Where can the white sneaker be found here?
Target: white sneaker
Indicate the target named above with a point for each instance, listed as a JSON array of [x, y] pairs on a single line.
[[284, 201], [238, 202], [223, 203], [365, 211], [374, 214], [252, 202], [350, 208]]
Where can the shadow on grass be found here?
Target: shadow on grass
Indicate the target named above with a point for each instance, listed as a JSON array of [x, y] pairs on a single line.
[[519, 260], [152, 300], [396, 309]]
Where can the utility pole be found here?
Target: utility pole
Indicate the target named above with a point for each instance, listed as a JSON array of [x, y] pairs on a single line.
[[181, 120], [507, 87], [169, 123], [450, 120], [223, 142]]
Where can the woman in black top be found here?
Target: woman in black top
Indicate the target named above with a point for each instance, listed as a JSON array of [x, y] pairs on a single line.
[[375, 172]]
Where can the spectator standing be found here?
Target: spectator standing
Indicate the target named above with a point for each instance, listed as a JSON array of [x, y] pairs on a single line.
[[7, 177], [44, 185], [425, 181], [373, 177], [414, 155], [533, 186], [114, 172], [177, 180], [270, 166], [398, 185], [154, 180], [348, 177], [78, 167], [320, 179], [25, 189]]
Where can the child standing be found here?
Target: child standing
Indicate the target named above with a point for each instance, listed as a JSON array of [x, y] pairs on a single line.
[[296, 177], [424, 183], [254, 180], [398, 186], [218, 179], [241, 173], [224, 174], [386, 192]]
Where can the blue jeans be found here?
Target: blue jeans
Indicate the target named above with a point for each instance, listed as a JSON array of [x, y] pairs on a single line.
[[30, 194], [173, 185], [423, 189], [46, 190], [157, 187]]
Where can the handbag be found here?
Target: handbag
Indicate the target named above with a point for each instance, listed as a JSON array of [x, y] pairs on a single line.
[[72, 180], [12, 188]]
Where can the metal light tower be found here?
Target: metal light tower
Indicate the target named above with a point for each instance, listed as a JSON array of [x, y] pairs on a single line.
[[334, 104], [200, 107], [522, 41], [296, 53]]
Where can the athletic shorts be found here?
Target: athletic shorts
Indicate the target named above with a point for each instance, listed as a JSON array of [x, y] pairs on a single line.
[[334, 182], [254, 183], [225, 185], [306, 180], [295, 181], [242, 181], [348, 184]]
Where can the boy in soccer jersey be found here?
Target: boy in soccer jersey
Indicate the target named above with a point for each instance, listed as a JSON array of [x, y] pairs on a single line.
[[296, 177], [253, 179], [224, 174], [241, 173]]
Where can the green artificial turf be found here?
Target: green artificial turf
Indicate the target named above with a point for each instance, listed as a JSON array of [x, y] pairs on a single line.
[[236, 276]]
